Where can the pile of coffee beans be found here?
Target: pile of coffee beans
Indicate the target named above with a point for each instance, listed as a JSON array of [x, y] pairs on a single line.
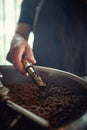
[[57, 104]]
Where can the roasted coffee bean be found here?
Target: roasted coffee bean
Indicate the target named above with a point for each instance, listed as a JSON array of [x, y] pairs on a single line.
[[57, 104]]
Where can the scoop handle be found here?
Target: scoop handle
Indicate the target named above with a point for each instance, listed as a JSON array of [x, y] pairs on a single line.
[[28, 66], [30, 69]]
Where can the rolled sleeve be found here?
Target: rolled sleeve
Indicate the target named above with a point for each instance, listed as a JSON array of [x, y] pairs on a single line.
[[28, 10]]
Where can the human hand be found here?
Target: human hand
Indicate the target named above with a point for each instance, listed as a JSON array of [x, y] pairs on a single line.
[[20, 48]]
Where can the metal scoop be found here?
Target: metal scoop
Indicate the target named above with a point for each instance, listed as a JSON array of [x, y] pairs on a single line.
[[30, 69]]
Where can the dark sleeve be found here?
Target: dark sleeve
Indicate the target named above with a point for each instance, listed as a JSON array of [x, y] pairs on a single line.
[[28, 10]]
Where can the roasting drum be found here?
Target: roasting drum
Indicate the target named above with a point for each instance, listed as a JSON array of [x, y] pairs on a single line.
[[74, 83]]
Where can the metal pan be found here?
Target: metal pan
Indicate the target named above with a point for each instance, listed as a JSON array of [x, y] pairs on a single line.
[[5, 101], [51, 75]]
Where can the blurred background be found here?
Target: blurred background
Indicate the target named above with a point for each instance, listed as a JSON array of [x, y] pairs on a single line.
[[9, 13]]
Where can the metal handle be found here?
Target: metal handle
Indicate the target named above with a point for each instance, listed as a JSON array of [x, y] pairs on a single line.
[[28, 66], [3, 90], [28, 114], [30, 69]]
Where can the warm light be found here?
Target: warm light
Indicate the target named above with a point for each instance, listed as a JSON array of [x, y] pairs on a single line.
[[9, 14]]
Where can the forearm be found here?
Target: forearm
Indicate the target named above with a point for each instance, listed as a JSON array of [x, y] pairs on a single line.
[[20, 47], [23, 30], [21, 35]]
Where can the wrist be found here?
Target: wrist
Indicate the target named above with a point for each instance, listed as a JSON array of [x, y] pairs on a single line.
[[17, 41]]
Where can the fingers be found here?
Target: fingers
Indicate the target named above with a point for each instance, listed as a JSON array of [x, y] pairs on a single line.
[[15, 57], [19, 67]]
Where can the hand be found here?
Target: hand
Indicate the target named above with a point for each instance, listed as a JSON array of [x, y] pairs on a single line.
[[20, 48]]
